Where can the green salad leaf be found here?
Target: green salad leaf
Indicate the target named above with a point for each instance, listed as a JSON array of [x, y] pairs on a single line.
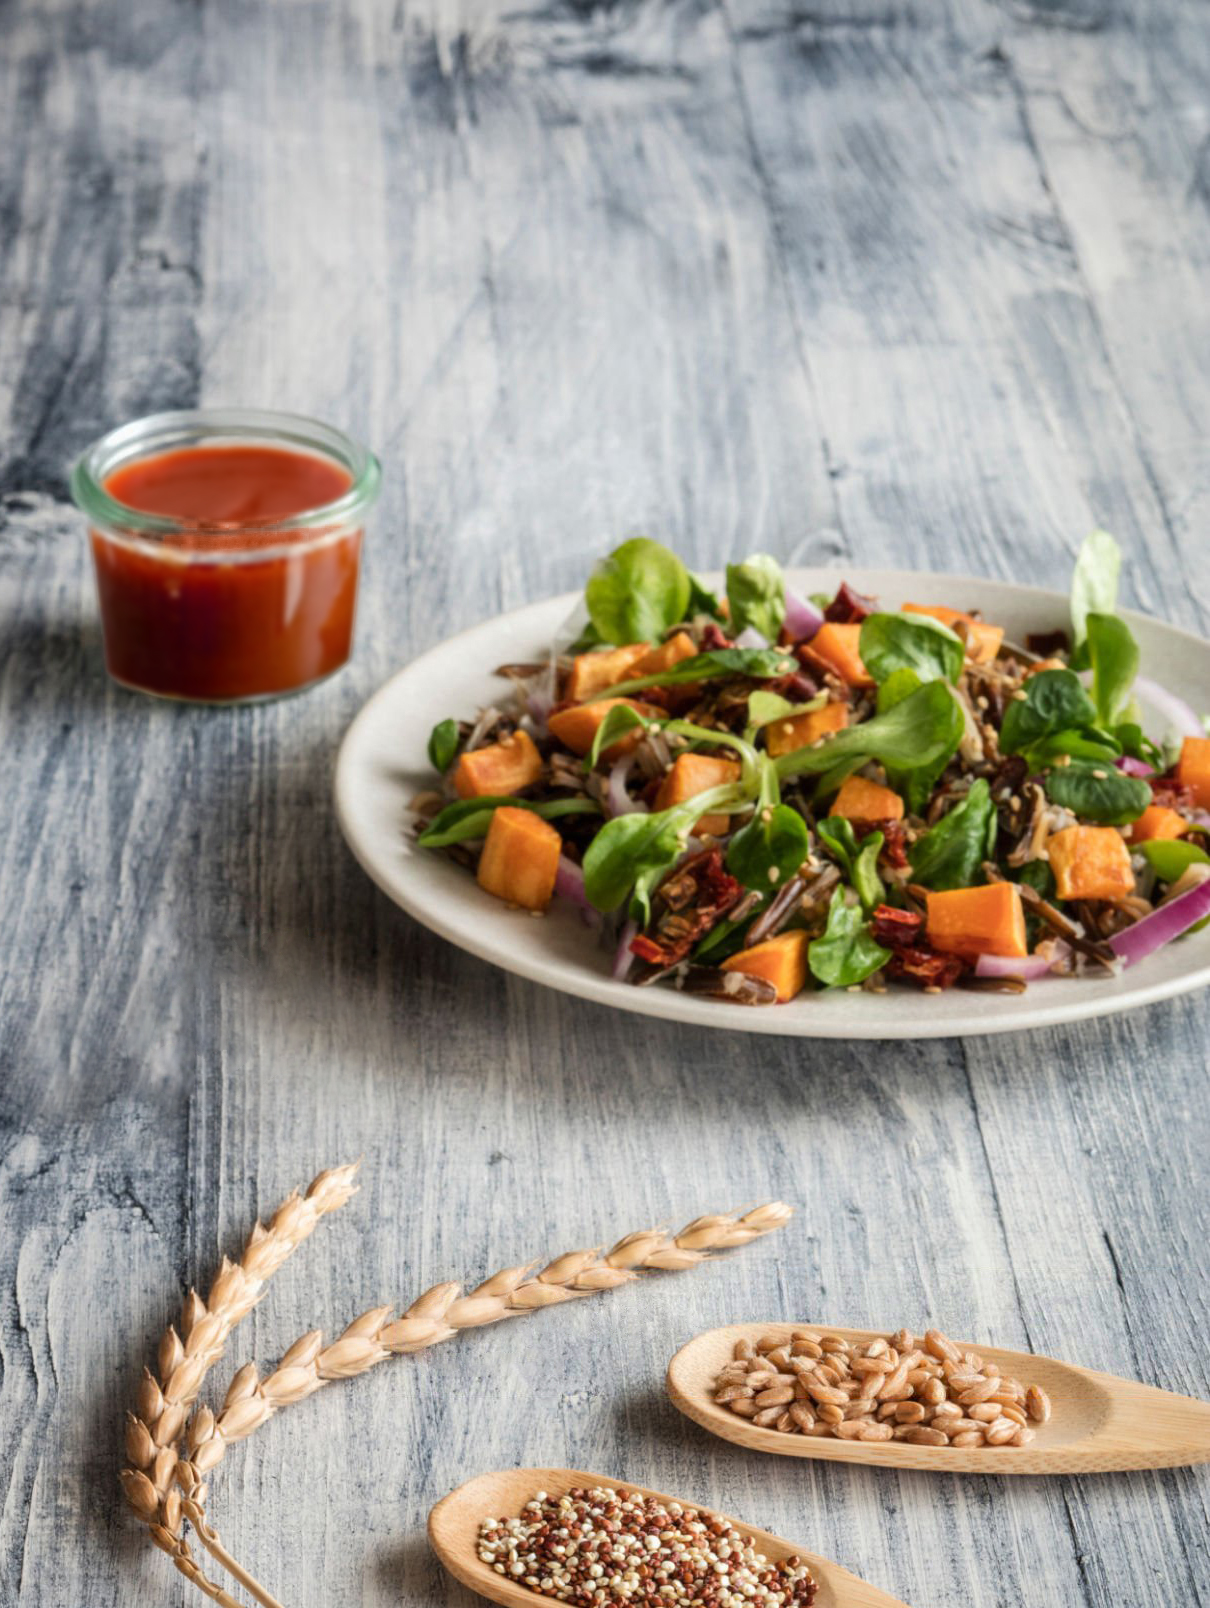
[[1036, 874], [1097, 747], [618, 721], [726, 938], [950, 853], [770, 849], [756, 593], [1094, 585], [773, 845], [759, 663], [918, 733], [1114, 656], [443, 744], [631, 853], [765, 707], [702, 600], [471, 817], [1134, 741], [846, 954], [858, 861], [1170, 858], [1055, 700], [1098, 793], [636, 593], [899, 685], [894, 642], [710, 737]]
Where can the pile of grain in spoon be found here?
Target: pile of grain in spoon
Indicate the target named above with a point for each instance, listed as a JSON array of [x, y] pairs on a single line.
[[928, 1392], [600, 1546]]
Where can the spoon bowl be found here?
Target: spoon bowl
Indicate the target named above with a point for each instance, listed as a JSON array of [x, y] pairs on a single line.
[[1098, 1423], [454, 1532]]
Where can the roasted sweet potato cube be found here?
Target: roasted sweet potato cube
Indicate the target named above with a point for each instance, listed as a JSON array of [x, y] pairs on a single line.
[[1156, 821], [692, 774], [520, 858], [594, 672], [800, 731], [1193, 769], [497, 769], [978, 921], [575, 728], [1090, 862], [781, 961], [982, 640], [656, 660], [862, 800], [837, 647]]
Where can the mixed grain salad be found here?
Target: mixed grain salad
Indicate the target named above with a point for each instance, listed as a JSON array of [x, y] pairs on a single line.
[[758, 793]]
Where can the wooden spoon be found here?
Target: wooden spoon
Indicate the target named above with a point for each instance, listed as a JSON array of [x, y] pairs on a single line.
[[1098, 1423], [454, 1532]]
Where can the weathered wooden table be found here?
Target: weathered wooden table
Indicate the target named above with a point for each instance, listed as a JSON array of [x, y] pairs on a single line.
[[920, 286]]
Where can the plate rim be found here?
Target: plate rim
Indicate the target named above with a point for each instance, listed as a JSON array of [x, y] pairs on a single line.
[[661, 1003]]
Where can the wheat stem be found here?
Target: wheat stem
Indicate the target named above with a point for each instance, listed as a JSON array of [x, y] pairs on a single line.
[[152, 1481], [209, 1539], [166, 1489], [443, 1312]]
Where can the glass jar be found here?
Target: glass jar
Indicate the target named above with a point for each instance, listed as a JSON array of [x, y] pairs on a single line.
[[227, 549]]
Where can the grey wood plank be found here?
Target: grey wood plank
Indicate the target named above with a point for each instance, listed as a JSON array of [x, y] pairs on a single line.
[[742, 277]]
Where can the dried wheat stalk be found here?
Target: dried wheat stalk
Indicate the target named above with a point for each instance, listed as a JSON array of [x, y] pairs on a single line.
[[153, 1430], [443, 1312], [438, 1315]]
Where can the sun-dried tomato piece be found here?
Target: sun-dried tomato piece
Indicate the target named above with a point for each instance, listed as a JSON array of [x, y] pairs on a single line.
[[894, 847], [1047, 643], [688, 903], [926, 967], [848, 606], [1168, 792], [895, 929], [713, 636], [797, 687]]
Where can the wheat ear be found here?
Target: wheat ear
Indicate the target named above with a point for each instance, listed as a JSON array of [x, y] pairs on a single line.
[[443, 1312], [184, 1359]]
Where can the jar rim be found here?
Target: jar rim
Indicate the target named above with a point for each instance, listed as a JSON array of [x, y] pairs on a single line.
[[157, 433]]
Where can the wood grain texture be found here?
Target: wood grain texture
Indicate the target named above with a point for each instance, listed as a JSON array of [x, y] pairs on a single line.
[[915, 284]]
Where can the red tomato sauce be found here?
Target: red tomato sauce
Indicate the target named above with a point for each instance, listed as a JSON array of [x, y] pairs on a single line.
[[198, 615]]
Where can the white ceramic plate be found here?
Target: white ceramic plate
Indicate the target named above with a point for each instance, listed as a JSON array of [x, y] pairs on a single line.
[[383, 764]]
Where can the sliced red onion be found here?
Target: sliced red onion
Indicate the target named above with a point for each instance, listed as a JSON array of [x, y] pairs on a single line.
[[623, 957], [1179, 715], [1162, 925], [540, 695], [619, 800], [1030, 967], [569, 885], [750, 637], [1134, 767], [1048, 957], [802, 619]]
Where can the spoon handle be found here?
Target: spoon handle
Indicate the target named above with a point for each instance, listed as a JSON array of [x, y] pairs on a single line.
[[1150, 1428]]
